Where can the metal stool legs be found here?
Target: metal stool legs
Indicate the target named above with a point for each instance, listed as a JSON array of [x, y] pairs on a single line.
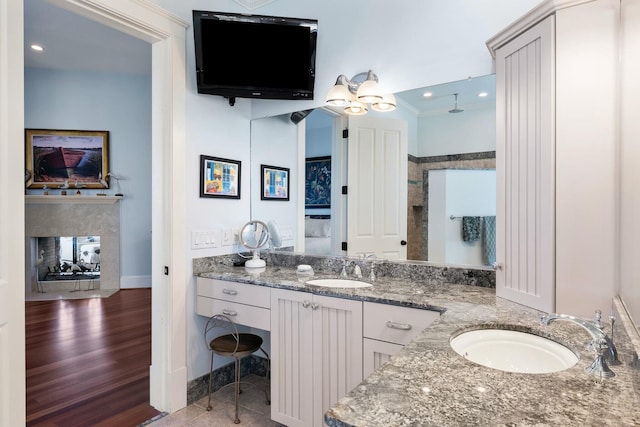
[[210, 379], [267, 377], [238, 391], [237, 385]]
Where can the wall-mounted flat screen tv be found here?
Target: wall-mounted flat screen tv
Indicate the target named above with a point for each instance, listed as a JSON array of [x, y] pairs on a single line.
[[254, 56]]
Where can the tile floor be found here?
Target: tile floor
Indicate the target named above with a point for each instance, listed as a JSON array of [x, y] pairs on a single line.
[[252, 408]]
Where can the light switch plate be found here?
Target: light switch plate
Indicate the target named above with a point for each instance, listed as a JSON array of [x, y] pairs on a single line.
[[205, 239]]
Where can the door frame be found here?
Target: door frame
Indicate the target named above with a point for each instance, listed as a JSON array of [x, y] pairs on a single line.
[[166, 33]]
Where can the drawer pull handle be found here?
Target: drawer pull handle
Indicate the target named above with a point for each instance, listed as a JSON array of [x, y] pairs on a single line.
[[401, 326], [229, 312], [229, 291]]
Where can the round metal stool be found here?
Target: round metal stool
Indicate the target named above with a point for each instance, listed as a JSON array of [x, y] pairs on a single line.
[[232, 344]]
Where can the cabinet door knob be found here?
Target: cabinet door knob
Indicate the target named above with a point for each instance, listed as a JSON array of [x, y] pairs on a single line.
[[229, 312], [229, 291], [403, 242], [497, 266], [401, 326], [314, 306], [306, 304]]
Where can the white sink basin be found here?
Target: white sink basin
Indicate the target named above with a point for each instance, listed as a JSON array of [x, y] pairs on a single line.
[[338, 283], [513, 351]]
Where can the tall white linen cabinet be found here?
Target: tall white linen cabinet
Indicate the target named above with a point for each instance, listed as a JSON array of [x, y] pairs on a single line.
[[564, 135]]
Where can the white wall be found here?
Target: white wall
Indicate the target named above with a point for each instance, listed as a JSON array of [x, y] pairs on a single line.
[[630, 153], [272, 148], [459, 193], [587, 56], [450, 34], [473, 130], [215, 128], [121, 104]]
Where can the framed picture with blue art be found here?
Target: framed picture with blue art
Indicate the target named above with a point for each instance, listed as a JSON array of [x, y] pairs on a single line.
[[317, 182], [275, 183], [219, 178]]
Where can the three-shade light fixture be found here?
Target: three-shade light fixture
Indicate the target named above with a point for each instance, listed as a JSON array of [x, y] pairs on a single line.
[[359, 94]]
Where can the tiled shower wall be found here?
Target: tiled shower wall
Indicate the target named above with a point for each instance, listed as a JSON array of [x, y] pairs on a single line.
[[418, 192]]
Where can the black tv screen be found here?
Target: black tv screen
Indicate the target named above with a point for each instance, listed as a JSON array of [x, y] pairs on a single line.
[[254, 56]]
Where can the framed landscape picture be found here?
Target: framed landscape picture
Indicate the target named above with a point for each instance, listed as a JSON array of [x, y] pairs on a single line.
[[219, 178], [275, 183], [79, 158]]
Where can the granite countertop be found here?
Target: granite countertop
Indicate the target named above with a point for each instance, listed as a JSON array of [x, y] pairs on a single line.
[[429, 384]]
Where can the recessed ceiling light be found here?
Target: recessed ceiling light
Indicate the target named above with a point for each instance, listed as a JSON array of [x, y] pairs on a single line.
[[483, 94], [427, 94], [37, 47]]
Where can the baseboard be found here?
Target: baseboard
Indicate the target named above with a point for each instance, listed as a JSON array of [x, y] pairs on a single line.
[[134, 282]]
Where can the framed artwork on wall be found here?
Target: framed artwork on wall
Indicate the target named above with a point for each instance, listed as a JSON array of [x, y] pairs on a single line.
[[219, 178], [274, 184], [66, 158], [317, 182]]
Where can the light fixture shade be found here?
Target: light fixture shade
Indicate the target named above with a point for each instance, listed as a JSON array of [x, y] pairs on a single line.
[[356, 108], [368, 92], [339, 96], [387, 103]]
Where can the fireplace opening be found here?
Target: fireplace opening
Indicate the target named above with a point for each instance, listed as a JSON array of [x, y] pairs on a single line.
[[67, 258]]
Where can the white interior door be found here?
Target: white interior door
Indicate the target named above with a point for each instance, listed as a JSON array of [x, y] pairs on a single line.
[[377, 187]]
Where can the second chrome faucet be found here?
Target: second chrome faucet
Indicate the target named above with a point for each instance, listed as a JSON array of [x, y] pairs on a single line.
[[600, 343]]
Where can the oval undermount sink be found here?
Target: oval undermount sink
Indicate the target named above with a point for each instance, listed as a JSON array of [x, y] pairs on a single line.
[[338, 283], [513, 351]]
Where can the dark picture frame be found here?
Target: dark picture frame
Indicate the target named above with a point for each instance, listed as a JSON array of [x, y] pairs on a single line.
[[77, 158], [274, 183], [220, 178], [317, 182]]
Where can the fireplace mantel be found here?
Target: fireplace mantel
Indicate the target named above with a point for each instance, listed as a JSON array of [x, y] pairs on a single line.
[[31, 199], [75, 215]]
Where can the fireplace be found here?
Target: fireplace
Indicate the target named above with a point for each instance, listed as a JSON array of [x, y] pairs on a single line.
[[71, 239]]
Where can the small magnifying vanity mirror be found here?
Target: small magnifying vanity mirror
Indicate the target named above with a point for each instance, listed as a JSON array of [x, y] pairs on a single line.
[[254, 235]]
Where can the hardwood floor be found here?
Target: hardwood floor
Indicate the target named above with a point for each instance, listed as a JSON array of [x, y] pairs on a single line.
[[88, 361]]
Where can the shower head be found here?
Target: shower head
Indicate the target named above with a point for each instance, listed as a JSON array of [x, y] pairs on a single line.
[[455, 109]]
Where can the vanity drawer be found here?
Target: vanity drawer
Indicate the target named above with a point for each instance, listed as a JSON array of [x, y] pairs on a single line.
[[242, 293], [242, 314], [395, 324]]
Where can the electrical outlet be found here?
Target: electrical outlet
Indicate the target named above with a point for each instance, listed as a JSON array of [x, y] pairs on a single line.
[[286, 233], [229, 237]]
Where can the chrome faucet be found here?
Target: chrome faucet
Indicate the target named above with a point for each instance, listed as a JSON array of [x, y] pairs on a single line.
[[345, 262], [357, 271], [600, 342], [372, 273]]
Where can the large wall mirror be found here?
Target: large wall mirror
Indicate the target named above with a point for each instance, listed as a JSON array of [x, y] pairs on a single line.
[[451, 173]]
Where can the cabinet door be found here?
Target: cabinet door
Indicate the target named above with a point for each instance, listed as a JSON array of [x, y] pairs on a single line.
[[376, 354], [316, 354], [291, 358], [337, 351], [525, 168]]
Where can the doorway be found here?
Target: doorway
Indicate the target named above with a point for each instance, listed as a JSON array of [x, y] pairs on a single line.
[[166, 33]]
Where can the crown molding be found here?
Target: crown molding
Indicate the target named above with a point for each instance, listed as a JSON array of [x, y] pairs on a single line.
[[528, 20]]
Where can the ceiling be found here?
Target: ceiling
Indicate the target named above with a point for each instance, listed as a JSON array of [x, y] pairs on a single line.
[[442, 99], [73, 42]]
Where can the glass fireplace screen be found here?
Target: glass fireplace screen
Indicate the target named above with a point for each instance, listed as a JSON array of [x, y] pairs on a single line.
[[66, 258]]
